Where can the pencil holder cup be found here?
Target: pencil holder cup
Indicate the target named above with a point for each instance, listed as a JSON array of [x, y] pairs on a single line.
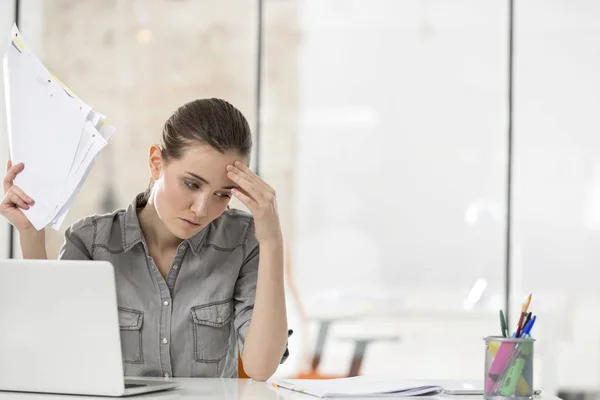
[[508, 368]]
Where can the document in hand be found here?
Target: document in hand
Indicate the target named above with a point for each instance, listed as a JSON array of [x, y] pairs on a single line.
[[359, 386], [51, 130]]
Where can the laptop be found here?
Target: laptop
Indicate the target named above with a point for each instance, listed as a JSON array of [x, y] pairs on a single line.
[[59, 330]]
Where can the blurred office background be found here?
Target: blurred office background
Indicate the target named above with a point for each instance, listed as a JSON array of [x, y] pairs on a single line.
[[384, 127]]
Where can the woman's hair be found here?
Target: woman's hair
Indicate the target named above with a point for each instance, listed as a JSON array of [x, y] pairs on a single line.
[[209, 121]]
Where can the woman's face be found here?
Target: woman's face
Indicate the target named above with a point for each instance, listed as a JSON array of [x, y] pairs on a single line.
[[189, 193]]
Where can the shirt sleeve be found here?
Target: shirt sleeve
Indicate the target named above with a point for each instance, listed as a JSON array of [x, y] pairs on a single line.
[[245, 290], [79, 239]]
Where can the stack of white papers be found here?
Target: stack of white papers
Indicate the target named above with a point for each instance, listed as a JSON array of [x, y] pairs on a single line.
[[55, 134], [359, 386]]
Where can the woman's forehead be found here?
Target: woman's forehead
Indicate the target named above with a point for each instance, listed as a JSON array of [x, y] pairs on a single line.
[[205, 154], [207, 163]]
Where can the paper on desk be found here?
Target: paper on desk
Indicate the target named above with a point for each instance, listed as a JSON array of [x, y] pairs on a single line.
[[52, 131], [358, 386]]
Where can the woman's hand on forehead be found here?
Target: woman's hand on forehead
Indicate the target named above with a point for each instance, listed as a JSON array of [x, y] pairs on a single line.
[[260, 199]]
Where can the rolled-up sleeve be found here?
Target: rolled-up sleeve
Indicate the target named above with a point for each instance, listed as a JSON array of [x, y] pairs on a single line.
[[245, 290], [79, 239]]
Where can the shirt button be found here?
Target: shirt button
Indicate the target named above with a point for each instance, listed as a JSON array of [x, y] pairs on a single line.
[[166, 302], [165, 340], [166, 374], [219, 319], [175, 267], [181, 248]]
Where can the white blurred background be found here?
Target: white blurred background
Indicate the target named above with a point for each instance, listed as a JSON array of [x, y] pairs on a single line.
[[384, 129]]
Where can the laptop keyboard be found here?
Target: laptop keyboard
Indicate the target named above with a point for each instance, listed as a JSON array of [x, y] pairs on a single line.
[[133, 385]]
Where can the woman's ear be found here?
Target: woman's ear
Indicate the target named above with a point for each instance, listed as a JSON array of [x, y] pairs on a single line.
[[155, 161]]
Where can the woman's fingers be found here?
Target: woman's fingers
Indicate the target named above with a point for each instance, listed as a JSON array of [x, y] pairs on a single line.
[[245, 199], [11, 174], [22, 195], [16, 195], [17, 200], [252, 176], [244, 182]]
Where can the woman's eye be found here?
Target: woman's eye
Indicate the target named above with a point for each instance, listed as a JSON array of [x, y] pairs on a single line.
[[191, 185], [223, 195]]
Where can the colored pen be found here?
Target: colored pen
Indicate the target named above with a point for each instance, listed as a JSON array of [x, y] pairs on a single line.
[[527, 319], [527, 329], [523, 314], [503, 324], [524, 330]]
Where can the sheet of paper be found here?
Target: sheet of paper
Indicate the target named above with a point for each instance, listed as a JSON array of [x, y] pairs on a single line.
[[40, 116], [51, 130], [359, 386], [62, 214], [91, 144]]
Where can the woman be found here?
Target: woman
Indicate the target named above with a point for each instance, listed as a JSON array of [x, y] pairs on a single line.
[[191, 287]]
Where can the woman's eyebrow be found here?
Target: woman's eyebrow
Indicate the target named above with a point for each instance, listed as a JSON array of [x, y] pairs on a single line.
[[205, 181], [198, 177]]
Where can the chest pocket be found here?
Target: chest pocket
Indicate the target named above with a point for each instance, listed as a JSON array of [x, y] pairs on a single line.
[[211, 325], [130, 324]]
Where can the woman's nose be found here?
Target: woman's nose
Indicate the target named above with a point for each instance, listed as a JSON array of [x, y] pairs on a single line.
[[200, 206]]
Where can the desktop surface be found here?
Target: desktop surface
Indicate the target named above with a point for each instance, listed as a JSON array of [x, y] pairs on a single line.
[[215, 388]]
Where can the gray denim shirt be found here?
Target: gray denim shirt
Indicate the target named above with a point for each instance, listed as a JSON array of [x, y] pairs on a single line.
[[193, 322]]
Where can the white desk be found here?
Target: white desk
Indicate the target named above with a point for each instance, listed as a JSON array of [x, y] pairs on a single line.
[[227, 389]]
